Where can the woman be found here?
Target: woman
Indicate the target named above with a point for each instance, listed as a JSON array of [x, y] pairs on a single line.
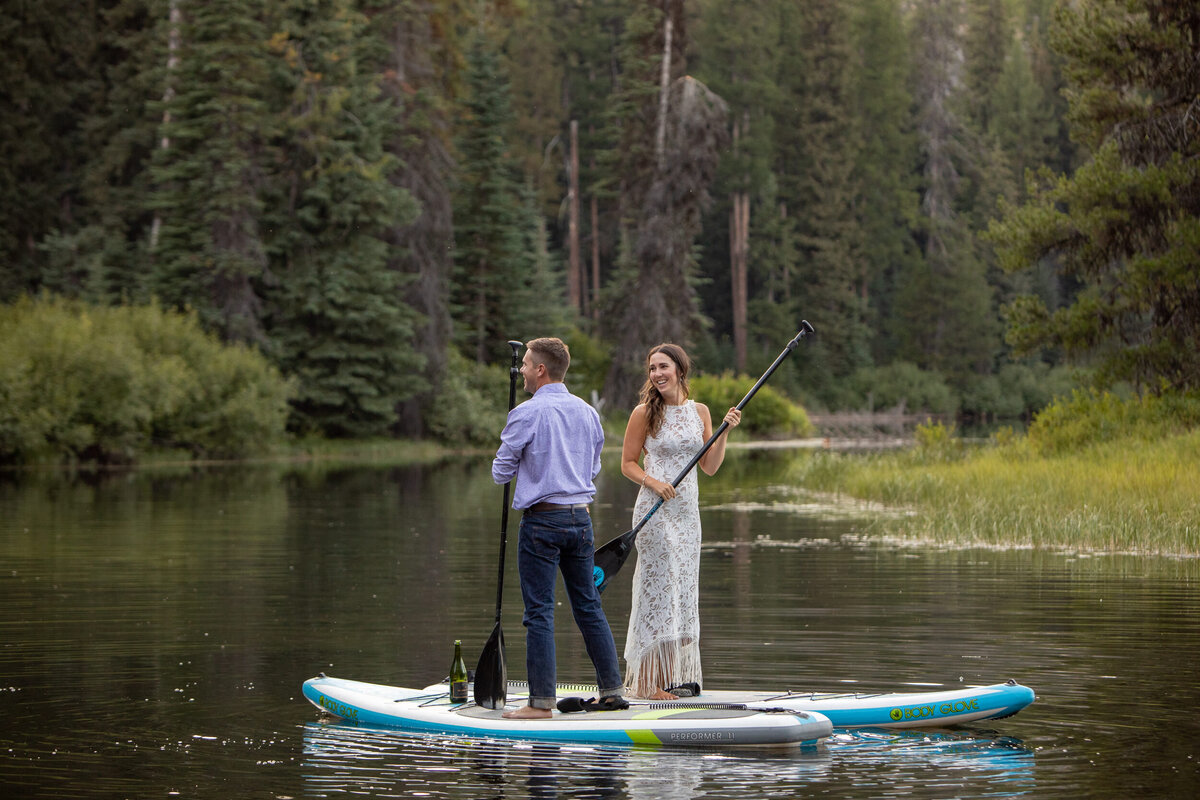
[[662, 648]]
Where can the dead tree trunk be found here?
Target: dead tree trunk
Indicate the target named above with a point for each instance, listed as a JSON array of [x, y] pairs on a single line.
[[175, 18], [664, 84], [739, 258], [574, 264], [595, 256], [660, 304]]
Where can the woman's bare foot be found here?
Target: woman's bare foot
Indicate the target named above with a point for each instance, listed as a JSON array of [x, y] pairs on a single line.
[[528, 712], [659, 694]]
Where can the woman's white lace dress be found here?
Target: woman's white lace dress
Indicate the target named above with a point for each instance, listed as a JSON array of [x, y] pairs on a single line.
[[662, 647]]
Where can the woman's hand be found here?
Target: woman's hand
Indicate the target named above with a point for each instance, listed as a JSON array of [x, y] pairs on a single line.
[[661, 488], [710, 462]]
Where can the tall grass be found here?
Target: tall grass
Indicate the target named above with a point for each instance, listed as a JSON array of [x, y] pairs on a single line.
[[1127, 495]]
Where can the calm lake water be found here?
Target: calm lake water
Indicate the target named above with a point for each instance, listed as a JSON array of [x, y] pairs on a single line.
[[155, 628]]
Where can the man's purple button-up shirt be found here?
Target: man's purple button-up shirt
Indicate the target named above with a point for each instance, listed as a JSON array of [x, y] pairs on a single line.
[[551, 445]]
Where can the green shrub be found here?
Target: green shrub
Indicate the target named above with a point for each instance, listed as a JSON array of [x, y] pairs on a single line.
[[1091, 417], [1017, 390], [983, 394], [472, 403], [109, 384], [937, 442], [590, 360], [902, 383], [768, 414], [1005, 437], [1036, 385]]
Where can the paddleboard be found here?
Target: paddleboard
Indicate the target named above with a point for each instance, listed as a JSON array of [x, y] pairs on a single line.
[[927, 709], [923, 709], [430, 711]]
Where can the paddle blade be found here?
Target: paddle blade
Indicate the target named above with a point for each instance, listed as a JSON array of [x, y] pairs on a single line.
[[491, 673], [610, 557]]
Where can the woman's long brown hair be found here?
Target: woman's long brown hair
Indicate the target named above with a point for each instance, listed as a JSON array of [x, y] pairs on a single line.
[[655, 405]]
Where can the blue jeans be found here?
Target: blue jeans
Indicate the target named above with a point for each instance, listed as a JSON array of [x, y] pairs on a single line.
[[551, 541]]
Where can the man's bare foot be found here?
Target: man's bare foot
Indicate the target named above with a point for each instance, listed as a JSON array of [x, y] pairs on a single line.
[[528, 712], [659, 694]]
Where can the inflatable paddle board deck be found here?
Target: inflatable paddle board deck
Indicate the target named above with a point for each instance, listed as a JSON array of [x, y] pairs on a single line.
[[920, 709], [925, 709], [430, 711]]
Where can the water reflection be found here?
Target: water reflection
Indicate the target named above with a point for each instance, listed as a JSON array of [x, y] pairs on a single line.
[[354, 759], [342, 758], [155, 629], [990, 764]]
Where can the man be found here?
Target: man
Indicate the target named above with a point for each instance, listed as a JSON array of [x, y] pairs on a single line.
[[551, 445]]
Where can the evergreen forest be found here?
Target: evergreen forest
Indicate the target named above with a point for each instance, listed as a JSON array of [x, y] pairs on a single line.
[[978, 204]]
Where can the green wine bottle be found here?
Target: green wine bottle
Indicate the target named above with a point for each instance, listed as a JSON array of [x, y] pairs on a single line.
[[458, 675]]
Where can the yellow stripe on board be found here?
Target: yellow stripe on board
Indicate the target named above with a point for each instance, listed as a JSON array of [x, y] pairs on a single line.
[[643, 737], [660, 713]]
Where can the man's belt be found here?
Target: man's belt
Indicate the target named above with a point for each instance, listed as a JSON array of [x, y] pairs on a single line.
[[539, 507]]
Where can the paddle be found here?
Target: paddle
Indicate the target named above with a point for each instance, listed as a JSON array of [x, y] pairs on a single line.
[[491, 673], [610, 556]]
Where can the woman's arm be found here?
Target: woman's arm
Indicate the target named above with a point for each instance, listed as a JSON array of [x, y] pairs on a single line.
[[711, 461], [631, 453]]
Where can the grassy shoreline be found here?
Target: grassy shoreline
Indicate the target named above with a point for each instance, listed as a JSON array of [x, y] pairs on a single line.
[[1129, 496], [380, 452]]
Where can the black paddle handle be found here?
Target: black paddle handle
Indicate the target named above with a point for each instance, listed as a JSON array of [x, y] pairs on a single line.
[[513, 371], [805, 329]]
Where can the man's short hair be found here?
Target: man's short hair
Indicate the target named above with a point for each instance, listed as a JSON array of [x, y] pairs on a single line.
[[553, 353]]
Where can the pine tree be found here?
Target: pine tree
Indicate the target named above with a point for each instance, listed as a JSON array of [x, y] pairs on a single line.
[[559, 56], [789, 152], [989, 170], [946, 307], [831, 284], [1022, 136], [1048, 74], [418, 53], [988, 32], [886, 166], [497, 271], [52, 82], [1126, 223], [531, 57], [538, 301], [740, 62], [109, 254], [338, 322], [774, 305], [209, 252], [1023, 123], [590, 34]]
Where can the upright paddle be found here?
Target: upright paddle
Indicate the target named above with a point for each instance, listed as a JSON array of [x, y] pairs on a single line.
[[491, 673], [610, 556]]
